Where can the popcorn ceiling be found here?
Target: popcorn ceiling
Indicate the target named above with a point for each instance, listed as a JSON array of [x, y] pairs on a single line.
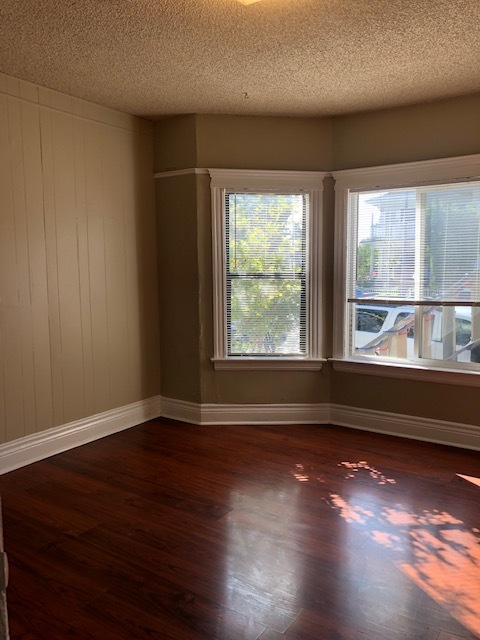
[[276, 57]]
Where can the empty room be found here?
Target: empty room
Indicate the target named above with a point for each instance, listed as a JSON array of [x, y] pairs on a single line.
[[239, 320]]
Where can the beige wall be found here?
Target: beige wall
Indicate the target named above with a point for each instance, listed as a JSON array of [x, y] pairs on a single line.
[[241, 387], [441, 129], [176, 143], [243, 142], [176, 200], [78, 253], [421, 132], [246, 142], [78, 290], [408, 397], [184, 223], [447, 128]]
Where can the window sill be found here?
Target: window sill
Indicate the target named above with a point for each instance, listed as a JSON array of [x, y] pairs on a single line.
[[268, 364], [408, 372]]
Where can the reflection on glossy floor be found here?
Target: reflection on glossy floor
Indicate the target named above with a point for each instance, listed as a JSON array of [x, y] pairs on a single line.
[[178, 532]]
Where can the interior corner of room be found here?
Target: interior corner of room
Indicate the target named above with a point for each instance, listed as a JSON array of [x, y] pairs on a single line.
[[106, 276]]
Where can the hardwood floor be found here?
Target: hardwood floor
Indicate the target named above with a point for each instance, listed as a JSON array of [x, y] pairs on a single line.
[[177, 532]]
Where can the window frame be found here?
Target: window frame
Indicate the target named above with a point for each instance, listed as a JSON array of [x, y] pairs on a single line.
[[412, 174], [253, 181]]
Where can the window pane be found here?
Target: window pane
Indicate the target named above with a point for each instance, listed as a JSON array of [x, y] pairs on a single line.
[[266, 233], [451, 244], [463, 330], [451, 335], [383, 330], [415, 252], [266, 317], [407, 314], [389, 331], [370, 320], [266, 274], [419, 244], [385, 260]]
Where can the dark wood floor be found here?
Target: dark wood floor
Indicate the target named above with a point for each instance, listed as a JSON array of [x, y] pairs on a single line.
[[175, 532]]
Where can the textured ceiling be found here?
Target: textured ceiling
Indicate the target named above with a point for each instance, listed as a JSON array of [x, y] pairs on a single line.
[[275, 57]]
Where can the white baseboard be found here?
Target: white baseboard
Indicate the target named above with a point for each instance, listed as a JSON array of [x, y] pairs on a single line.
[[248, 414], [455, 434], [38, 446], [439, 431], [181, 410], [42, 445]]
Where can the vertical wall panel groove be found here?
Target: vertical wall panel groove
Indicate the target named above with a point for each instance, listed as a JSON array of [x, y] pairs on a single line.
[[34, 199], [7, 258], [67, 268], [14, 392], [23, 266], [85, 295], [73, 268], [45, 354], [52, 268], [96, 248]]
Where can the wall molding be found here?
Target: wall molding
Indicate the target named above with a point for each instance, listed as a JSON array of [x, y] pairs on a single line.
[[250, 179], [38, 446], [247, 414], [427, 429], [56, 101], [268, 364], [309, 178], [384, 369], [181, 410], [180, 172], [456, 434], [409, 173]]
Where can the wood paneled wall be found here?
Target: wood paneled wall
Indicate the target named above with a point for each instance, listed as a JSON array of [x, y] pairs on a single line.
[[78, 278]]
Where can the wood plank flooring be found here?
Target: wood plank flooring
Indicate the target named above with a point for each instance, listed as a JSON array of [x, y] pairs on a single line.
[[171, 531]]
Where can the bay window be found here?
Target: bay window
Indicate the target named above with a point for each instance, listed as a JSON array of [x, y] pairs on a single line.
[[408, 264]]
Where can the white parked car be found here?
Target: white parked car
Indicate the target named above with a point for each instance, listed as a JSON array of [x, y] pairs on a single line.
[[381, 321]]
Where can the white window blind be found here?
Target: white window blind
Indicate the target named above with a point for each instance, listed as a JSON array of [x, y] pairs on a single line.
[[266, 273], [414, 245], [413, 272]]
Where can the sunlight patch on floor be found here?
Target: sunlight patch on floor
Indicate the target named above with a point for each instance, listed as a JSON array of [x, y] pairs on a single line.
[[354, 467], [472, 479], [433, 548]]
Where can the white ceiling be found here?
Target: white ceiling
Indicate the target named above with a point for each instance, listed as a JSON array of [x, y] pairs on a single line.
[[275, 57]]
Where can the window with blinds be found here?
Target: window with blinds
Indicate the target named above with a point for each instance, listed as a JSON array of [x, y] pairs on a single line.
[[266, 242], [413, 265], [267, 269]]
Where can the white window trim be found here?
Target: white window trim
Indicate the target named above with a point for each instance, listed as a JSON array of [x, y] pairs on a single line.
[[433, 373], [310, 182], [461, 168]]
